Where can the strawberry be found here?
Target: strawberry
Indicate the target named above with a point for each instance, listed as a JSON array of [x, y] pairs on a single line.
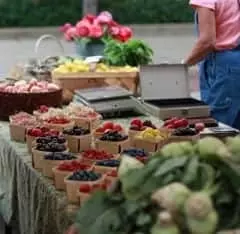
[[36, 132], [85, 188], [137, 122], [135, 127], [113, 173], [170, 126], [108, 125], [117, 127]]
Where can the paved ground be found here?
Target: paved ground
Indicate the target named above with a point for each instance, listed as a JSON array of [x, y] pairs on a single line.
[[167, 47]]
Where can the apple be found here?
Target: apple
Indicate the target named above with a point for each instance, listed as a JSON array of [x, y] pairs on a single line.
[[199, 127]]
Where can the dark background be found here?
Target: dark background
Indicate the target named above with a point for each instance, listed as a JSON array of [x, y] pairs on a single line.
[[14, 13]]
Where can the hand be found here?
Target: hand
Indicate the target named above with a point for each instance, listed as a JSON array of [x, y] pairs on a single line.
[[72, 230]]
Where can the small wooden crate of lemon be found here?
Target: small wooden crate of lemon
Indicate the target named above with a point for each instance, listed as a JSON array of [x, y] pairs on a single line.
[[78, 74], [151, 140]]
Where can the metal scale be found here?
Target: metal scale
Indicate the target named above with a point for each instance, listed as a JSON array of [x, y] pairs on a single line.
[[110, 101], [164, 93]]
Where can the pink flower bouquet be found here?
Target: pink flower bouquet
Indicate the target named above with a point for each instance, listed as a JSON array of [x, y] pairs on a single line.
[[96, 28]]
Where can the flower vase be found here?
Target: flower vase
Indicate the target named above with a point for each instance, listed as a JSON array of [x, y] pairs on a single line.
[[89, 49]]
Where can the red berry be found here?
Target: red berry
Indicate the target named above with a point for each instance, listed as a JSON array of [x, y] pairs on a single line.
[[170, 126], [137, 122], [85, 188], [108, 125], [36, 132], [135, 127], [178, 124], [181, 123], [43, 109], [199, 126], [167, 122], [113, 173], [117, 127]]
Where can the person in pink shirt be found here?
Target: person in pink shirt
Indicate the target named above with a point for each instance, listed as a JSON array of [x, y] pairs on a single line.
[[217, 51]]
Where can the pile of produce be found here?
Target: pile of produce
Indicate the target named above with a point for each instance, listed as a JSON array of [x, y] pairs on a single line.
[[185, 188], [132, 53], [139, 125], [72, 111], [78, 65], [33, 86]]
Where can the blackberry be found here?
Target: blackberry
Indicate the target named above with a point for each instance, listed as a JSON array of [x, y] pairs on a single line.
[[85, 176], [59, 156], [109, 163], [76, 131]]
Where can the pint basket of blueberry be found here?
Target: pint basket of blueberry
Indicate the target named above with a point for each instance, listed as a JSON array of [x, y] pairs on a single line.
[[181, 131], [78, 178], [106, 127], [78, 138], [137, 125], [113, 142], [50, 160], [91, 156], [44, 145], [106, 166], [59, 123], [34, 133], [139, 154], [66, 168]]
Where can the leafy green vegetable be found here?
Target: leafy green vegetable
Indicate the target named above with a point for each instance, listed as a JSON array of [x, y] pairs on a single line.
[[129, 209], [170, 165], [99, 215], [133, 53], [190, 171]]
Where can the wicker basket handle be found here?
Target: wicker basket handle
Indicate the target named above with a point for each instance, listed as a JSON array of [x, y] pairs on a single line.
[[44, 37]]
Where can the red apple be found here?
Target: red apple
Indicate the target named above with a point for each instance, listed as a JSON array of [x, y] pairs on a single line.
[[199, 126]]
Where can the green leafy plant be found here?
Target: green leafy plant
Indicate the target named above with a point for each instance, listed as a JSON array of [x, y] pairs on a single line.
[[133, 53]]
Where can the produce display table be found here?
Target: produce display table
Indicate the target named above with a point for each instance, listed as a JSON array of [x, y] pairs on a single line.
[[30, 199], [29, 196]]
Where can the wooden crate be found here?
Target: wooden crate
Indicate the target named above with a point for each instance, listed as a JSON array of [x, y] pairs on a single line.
[[73, 81]]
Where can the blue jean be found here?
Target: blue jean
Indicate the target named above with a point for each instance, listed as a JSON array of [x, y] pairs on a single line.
[[220, 85]]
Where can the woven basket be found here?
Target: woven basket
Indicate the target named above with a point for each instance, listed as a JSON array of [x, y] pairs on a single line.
[[12, 103]]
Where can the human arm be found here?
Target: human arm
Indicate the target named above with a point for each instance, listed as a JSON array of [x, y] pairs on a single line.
[[207, 35]]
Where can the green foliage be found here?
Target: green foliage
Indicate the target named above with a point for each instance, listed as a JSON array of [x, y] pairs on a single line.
[[133, 53], [16, 13]]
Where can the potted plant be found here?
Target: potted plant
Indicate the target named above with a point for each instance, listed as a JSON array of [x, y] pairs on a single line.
[[91, 33]]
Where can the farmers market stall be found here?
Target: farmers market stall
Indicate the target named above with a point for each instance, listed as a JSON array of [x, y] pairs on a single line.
[[33, 198], [158, 158]]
